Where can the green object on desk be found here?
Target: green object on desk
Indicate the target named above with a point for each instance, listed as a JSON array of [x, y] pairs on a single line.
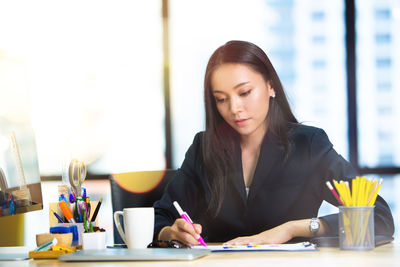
[[76, 215], [88, 229], [85, 222]]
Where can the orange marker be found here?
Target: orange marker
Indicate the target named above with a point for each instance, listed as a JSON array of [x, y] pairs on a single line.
[[66, 211]]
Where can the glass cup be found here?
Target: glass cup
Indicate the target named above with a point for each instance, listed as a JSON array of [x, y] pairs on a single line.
[[356, 228]]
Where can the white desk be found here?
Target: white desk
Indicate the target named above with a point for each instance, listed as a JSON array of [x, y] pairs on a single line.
[[387, 255]]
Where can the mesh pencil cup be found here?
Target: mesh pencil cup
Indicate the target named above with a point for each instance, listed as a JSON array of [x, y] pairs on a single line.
[[356, 228]]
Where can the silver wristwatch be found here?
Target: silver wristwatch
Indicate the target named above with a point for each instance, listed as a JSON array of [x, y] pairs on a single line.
[[314, 226]]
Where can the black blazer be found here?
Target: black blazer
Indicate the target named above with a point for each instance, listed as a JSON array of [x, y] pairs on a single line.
[[282, 190]]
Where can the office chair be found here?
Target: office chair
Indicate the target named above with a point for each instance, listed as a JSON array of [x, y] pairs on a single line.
[[137, 189]]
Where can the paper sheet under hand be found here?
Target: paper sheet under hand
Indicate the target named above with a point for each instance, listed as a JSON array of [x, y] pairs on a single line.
[[302, 246]]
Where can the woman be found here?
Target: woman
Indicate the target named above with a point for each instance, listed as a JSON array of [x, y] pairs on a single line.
[[255, 176]]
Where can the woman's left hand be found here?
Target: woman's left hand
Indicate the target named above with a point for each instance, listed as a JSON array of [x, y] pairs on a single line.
[[281, 233], [277, 235]]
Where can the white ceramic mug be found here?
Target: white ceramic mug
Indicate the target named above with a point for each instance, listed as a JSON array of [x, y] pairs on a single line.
[[138, 225]]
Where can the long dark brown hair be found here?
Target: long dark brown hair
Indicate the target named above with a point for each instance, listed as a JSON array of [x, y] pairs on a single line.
[[219, 142]]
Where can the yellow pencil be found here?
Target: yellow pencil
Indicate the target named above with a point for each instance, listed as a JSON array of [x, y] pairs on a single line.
[[344, 192], [368, 190], [371, 193], [361, 191], [339, 190], [375, 195], [348, 193], [356, 183]]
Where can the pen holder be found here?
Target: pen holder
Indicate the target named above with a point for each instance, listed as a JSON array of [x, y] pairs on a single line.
[[356, 228], [53, 207], [76, 229], [53, 221], [94, 240]]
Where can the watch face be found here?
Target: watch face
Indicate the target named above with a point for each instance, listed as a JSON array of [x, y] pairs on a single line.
[[314, 225]]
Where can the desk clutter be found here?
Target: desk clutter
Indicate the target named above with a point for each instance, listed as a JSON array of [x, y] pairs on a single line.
[[15, 190], [71, 219], [52, 246], [74, 226]]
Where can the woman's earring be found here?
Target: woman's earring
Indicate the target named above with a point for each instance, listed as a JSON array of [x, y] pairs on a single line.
[[273, 96]]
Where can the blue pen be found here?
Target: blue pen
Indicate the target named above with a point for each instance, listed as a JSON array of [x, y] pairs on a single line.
[[60, 220], [13, 206], [80, 214], [58, 217], [5, 209], [71, 198], [79, 203]]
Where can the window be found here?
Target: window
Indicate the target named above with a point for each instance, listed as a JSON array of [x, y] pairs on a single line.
[[304, 40], [378, 88], [95, 79]]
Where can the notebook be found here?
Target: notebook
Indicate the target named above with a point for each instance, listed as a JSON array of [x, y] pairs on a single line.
[[302, 246], [151, 254]]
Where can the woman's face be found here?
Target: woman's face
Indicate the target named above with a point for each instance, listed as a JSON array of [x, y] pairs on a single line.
[[242, 98]]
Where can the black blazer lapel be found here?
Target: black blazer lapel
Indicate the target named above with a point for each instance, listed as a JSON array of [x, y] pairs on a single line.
[[271, 155], [237, 176]]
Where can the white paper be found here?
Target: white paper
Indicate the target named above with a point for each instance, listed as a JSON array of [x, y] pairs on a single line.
[[303, 246]]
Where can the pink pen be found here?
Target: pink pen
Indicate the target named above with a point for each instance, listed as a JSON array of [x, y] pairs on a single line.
[[186, 217]]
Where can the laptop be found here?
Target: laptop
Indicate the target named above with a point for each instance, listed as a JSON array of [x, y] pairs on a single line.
[[123, 254], [14, 257], [14, 253]]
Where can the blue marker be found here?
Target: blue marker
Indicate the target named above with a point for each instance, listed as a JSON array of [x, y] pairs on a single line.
[[5, 209], [13, 206]]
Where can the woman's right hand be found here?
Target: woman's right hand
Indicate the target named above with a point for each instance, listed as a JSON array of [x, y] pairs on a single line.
[[182, 231]]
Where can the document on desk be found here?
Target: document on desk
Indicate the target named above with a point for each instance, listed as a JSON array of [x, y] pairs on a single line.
[[302, 246]]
